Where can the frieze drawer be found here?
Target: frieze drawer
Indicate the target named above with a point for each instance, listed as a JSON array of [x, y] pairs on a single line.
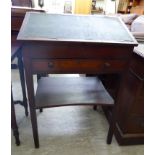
[[77, 66]]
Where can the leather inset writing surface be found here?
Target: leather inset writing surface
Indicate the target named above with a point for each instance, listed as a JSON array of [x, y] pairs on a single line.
[[74, 27]]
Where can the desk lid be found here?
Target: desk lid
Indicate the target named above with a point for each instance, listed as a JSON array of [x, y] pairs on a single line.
[[74, 28]]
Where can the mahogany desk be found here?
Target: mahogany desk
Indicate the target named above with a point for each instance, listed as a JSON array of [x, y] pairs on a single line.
[[54, 43]]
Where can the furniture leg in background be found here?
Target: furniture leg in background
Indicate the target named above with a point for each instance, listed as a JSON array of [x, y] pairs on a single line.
[[17, 53], [13, 121]]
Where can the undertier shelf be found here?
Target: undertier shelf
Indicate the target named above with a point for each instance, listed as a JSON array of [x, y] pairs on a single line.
[[67, 91]]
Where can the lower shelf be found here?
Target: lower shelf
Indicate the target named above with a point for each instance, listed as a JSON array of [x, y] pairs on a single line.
[[65, 91]]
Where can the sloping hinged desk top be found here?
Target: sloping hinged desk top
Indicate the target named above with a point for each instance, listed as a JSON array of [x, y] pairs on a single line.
[[74, 28]]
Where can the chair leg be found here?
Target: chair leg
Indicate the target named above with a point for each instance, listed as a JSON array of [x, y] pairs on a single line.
[[16, 135], [13, 122], [22, 80], [41, 75], [41, 110], [111, 127], [95, 107]]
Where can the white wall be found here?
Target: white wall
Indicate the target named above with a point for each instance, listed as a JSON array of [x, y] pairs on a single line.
[[110, 7]]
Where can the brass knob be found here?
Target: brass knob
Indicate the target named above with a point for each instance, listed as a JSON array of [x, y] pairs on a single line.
[[106, 64]]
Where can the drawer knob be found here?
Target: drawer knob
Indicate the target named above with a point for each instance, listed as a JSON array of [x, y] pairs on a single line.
[[106, 64], [50, 64]]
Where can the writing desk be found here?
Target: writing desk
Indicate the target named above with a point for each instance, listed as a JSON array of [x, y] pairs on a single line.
[[54, 43]]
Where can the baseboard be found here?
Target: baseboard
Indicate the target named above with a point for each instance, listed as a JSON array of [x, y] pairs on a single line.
[[129, 138]]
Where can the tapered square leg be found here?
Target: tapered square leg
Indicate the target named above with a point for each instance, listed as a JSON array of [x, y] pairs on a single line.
[[112, 126], [110, 135], [22, 80], [34, 127], [95, 107], [38, 78]]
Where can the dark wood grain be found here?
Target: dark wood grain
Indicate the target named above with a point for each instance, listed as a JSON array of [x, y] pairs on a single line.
[[74, 91], [16, 52], [17, 16], [15, 47], [77, 50], [22, 80], [24, 3], [77, 66], [44, 55], [130, 123], [30, 90]]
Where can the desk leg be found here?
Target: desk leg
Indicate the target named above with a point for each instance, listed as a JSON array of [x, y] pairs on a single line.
[[30, 91], [22, 80], [38, 78], [34, 127], [113, 119], [112, 126], [95, 107]]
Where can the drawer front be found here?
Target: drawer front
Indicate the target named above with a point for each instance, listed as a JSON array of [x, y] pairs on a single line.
[[77, 66]]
